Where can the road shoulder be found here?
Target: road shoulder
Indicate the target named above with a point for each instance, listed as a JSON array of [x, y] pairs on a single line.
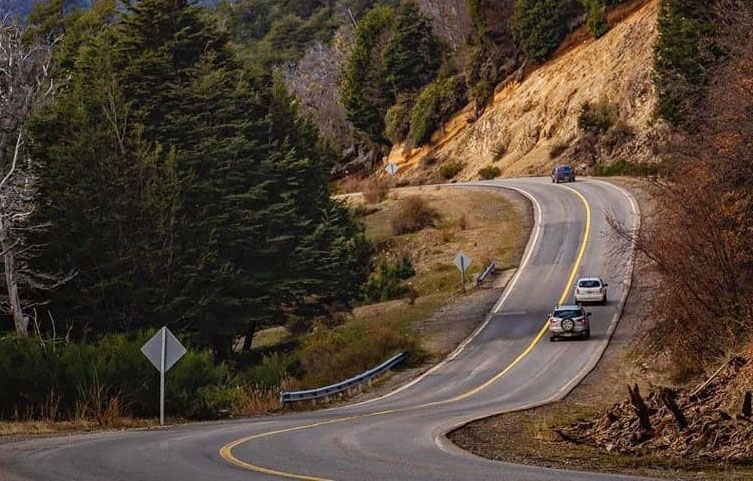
[[527, 437]]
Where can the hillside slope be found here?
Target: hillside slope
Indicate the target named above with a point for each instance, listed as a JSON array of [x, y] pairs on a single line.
[[529, 116]]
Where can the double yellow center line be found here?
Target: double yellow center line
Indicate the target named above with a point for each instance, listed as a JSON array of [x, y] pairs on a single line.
[[226, 452]]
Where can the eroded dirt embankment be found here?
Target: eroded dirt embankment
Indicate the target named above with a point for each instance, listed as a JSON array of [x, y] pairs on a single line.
[[526, 118]]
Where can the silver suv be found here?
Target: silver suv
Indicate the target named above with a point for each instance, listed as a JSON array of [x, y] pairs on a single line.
[[569, 321]]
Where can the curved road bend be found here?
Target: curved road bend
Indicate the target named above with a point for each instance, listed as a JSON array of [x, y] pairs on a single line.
[[502, 367]]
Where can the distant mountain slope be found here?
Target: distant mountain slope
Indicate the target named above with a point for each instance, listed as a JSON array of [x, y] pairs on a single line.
[[532, 113], [22, 8]]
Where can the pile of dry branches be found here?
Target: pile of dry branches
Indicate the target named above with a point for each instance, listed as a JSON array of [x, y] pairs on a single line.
[[691, 424]]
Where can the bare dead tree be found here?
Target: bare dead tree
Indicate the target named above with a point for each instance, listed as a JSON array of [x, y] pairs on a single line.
[[26, 84], [700, 245]]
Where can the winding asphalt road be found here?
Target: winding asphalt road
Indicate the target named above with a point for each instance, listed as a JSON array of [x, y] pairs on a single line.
[[503, 366]]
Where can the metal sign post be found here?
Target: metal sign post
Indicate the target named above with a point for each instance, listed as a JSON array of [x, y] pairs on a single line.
[[163, 350], [462, 262]]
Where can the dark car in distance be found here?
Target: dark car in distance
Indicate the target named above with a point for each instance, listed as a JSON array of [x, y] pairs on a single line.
[[563, 173]]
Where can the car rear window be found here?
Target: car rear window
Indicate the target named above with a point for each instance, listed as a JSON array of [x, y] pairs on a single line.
[[565, 169], [564, 313], [589, 284]]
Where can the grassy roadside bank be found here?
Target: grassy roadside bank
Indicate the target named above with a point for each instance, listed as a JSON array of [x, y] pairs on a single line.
[[430, 316], [529, 437]]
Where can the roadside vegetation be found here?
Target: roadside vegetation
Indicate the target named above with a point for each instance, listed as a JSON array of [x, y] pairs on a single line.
[[687, 360], [52, 383]]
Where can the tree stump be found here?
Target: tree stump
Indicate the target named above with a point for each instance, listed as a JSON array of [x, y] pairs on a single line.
[[641, 410], [669, 398]]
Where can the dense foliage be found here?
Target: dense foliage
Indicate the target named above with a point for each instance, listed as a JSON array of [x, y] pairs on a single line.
[[435, 104], [84, 380], [598, 117], [702, 249], [394, 54], [387, 282], [540, 25], [683, 54], [214, 222]]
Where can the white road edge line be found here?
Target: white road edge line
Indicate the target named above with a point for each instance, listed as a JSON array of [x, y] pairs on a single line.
[[533, 240], [440, 434]]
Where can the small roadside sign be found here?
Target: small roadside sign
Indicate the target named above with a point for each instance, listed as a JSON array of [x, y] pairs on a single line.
[[462, 261], [392, 168], [163, 350]]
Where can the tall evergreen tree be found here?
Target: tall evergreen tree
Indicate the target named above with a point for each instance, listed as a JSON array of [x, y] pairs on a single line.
[[413, 54], [185, 191]]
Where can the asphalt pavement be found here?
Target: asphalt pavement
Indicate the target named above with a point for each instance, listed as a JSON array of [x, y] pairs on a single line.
[[507, 364]]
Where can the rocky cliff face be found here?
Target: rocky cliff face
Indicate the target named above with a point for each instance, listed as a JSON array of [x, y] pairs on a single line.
[[538, 108], [450, 19]]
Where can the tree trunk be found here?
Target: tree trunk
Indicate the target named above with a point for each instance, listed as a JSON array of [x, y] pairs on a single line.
[[11, 282]]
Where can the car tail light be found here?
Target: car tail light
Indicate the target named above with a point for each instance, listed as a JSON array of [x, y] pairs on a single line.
[[577, 291], [553, 320]]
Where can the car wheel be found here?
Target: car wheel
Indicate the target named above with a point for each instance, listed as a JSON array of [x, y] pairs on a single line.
[[604, 301], [587, 335], [552, 338]]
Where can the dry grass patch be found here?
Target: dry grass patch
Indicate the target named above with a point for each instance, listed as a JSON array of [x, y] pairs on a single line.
[[414, 214]]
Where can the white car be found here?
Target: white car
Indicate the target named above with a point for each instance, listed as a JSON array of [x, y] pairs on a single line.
[[591, 289]]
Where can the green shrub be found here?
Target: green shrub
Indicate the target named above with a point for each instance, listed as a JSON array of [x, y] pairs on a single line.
[[596, 18], [490, 172], [113, 368], [482, 93], [388, 281], [273, 369], [449, 170], [434, 105], [597, 118], [397, 122], [26, 376]]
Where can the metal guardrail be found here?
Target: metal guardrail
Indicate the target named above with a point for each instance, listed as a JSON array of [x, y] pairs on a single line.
[[292, 396], [486, 273]]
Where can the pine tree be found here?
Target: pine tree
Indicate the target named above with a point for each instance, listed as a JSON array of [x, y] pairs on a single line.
[[413, 54], [186, 191], [365, 93], [540, 25]]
